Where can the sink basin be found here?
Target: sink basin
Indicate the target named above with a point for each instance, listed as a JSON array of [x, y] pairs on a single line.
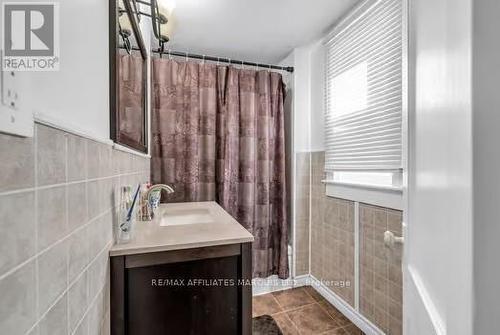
[[175, 217]]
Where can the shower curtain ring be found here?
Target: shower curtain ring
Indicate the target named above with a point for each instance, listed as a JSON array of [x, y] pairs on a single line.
[[218, 63], [203, 59], [187, 55], [169, 55]]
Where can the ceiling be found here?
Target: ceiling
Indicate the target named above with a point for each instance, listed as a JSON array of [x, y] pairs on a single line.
[[253, 30]]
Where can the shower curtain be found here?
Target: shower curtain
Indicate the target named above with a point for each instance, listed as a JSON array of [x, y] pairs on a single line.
[[218, 135]]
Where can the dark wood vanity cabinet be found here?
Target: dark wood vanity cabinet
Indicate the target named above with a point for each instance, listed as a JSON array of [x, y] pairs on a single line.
[[190, 291]]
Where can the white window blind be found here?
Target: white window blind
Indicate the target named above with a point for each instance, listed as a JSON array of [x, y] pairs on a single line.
[[364, 90]]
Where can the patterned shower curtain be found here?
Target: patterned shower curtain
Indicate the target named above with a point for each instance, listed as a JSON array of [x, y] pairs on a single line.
[[218, 135]]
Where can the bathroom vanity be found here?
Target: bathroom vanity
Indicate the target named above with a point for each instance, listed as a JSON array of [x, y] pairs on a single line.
[[188, 271]]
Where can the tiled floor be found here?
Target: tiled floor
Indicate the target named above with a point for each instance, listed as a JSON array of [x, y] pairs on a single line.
[[303, 311]]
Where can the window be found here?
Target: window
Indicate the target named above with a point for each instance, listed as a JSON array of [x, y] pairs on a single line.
[[364, 96], [350, 89]]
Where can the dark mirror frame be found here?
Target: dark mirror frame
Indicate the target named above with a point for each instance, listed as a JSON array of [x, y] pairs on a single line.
[[115, 134]]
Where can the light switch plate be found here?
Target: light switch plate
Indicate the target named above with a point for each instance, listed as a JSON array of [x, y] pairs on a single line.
[[14, 119]]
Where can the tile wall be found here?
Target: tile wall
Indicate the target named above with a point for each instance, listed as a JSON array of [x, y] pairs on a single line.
[[332, 232], [381, 292], [333, 252], [58, 198]]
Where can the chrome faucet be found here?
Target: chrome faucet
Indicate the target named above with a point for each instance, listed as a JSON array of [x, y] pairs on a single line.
[[153, 197]]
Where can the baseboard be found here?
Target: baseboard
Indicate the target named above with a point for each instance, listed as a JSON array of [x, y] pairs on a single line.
[[273, 284], [359, 320], [430, 308]]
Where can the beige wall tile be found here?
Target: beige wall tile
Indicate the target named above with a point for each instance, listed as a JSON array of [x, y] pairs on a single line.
[[380, 275], [55, 322], [51, 155], [96, 316], [335, 247], [17, 227], [33, 331], [332, 250], [77, 205], [95, 207], [64, 246], [107, 193], [83, 327], [17, 163], [51, 210], [116, 161], [78, 252], [18, 302], [78, 300], [98, 273], [99, 160], [99, 234], [52, 274], [77, 158]]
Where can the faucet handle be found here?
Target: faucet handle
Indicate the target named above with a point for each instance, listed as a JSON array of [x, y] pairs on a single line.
[[154, 194]]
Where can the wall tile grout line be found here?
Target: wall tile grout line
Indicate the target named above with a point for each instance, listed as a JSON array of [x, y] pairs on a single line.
[[81, 181], [56, 301], [340, 250], [56, 164], [54, 244]]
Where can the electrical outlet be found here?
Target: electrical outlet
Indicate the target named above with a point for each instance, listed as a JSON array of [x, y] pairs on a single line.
[[9, 94], [14, 119]]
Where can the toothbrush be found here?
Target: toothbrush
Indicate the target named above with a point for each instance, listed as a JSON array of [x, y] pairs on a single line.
[[131, 209]]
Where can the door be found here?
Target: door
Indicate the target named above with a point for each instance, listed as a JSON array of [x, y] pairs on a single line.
[[438, 234]]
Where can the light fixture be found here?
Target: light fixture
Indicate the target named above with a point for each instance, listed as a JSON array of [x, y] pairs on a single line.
[[124, 26], [166, 9], [161, 18]]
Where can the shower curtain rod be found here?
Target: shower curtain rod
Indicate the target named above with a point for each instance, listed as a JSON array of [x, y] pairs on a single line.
[[218, 59]]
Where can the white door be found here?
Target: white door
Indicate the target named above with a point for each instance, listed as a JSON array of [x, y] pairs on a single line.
[[438, 240]]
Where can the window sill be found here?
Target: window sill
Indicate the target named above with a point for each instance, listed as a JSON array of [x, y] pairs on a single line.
[[384, 196], [380, 188]]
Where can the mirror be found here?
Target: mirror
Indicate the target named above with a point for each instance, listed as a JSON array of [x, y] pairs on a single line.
[[128, 77]]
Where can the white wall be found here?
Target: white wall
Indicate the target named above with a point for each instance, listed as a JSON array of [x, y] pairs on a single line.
[[301, 101], [317, 87], [308, 83], [438, 289], [76, 96]]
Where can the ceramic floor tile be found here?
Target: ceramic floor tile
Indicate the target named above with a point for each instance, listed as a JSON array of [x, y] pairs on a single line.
[[265, 304], [336, 331], [314, 294], [290, 299], [335, 314], [285, 324], [312, 319], [353, 330], [304, 311]]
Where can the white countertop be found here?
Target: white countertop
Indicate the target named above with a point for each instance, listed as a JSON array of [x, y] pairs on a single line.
[[149, 236]]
